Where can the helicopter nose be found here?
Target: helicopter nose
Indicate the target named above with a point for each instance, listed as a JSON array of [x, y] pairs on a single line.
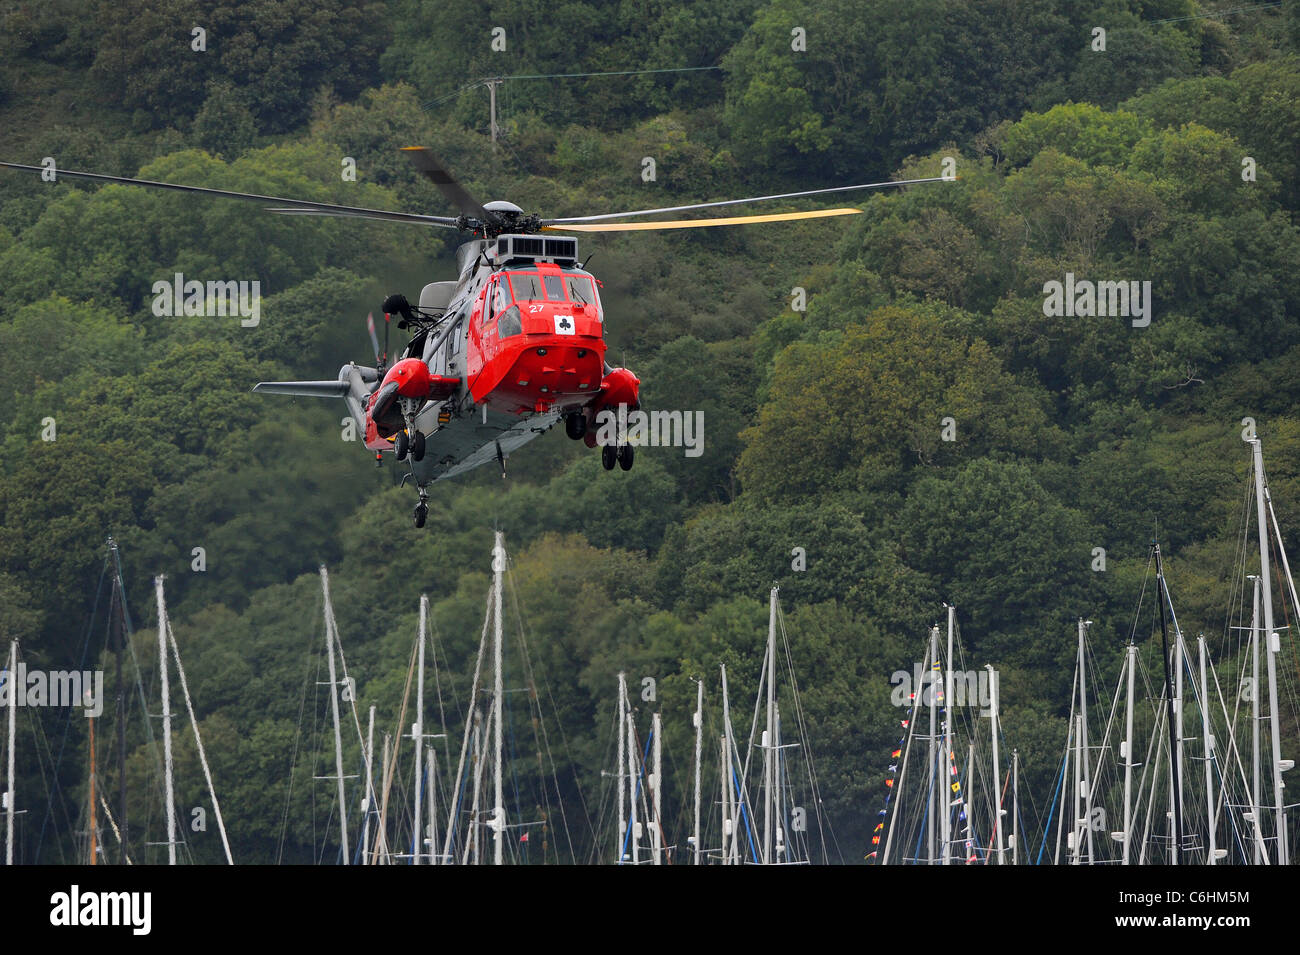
[[558, 368]]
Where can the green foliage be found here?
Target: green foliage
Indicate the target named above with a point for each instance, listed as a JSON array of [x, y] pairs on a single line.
[[279, 54], [826, 470]]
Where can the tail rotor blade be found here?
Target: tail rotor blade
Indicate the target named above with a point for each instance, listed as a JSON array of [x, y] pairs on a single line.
[[374, 339]]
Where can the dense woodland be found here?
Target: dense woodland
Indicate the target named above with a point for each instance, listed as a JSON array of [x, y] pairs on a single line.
[[822, 426]]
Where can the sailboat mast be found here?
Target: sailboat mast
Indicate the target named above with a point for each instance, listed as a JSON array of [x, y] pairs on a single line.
[[934, 741], [417, 737], [633, 781], [118, 619], [94, 819], [728, 788], [1084, 752], [769, 734], [1127, 752], [1207, 741], [12, 680], [369, 802], [699, 752], [945, 754], [330, 637], [1256, 802], [431, 787], [621, 767], [167, 720], [1076, 835], [1273, 647], [997, 769], [656, 840], [499, 817], [1175, 745], [1015, 807]]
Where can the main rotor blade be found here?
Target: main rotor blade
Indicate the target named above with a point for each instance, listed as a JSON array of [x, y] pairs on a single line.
[[697, 223], [737, 202], [438, 174], [287, 206]]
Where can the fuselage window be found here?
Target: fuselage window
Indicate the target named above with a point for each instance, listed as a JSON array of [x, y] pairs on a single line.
[[527, 286]]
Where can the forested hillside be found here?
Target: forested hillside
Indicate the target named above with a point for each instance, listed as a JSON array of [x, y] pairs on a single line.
[[1170, 157]]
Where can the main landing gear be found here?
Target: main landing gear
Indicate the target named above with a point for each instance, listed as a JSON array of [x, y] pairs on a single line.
[[410, 440], [575, 425], [422, 509], [407, 445], [622, 454]]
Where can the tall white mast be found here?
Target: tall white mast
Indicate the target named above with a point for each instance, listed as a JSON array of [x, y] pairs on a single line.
[[12, 680], [417, 737], [726, 802], [167, 719], [997, 769], [935, 769], [1126, 751], [1179, 663], [1084, 752], [499, 809], [769, 734], [732, 810], [633, 778], [1015, 807], [433, 804], [1077, 819], [1207, 741], [477, 841], [1256, 803], [621, 770], [656, 840], [780, 853], [330, 637], [699, 751], [1274, 645], [945, 754], [368, 804]]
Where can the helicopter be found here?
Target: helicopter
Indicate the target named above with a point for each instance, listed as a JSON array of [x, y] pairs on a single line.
[[506, 350]]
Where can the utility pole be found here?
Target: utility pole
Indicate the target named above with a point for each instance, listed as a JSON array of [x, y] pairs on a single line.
[[492, 98]]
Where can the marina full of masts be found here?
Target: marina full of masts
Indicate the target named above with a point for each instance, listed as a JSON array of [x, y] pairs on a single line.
[[1174, 750]]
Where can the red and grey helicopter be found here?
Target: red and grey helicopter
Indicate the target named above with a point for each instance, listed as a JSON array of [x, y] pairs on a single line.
[[500, 354]]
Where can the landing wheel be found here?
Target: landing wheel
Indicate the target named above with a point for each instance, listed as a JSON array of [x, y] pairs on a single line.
[[575, 426], [608, 455], [417, 446], [402, 445], [625, 457], [421, 514]]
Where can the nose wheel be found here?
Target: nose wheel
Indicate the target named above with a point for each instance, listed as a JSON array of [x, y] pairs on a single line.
[[608, 455], [625, 457], [422, 509]]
